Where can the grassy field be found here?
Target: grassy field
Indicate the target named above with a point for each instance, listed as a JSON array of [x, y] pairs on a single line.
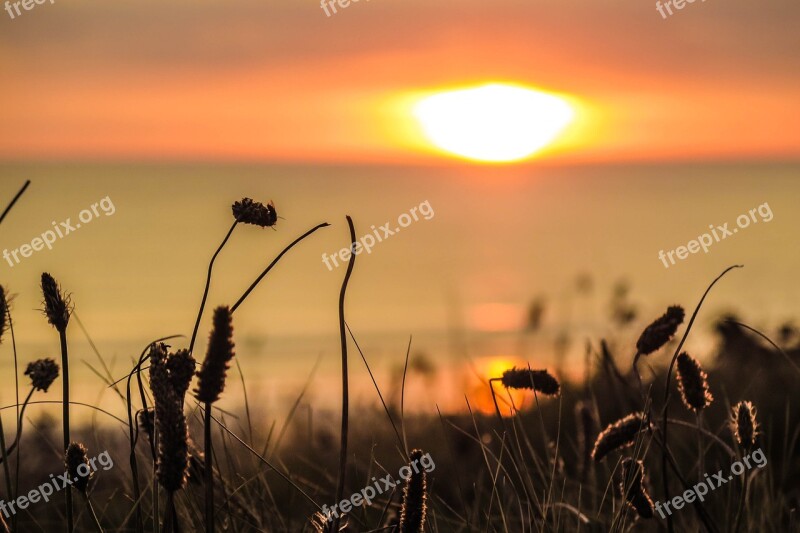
[[604, 454]]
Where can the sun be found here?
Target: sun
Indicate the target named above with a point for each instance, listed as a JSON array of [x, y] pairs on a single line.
[[494, 122]]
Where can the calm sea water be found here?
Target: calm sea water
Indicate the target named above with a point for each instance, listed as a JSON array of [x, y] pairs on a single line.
[[460, 281]]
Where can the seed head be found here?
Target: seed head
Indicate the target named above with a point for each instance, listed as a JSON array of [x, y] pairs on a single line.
[[636, 495], [173, 443], [75, 457], [745, 425], [693, 383], [660, 331], [146, 419], [43, 373], [414, 507], [56, 305], [181, 368], [620, 434], [211, 377], [538, 380], [249, 212]]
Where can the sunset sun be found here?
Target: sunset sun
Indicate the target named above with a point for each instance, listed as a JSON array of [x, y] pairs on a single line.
[[494, 122]]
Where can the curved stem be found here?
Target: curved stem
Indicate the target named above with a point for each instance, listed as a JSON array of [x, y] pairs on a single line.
[[19, 428], [704, 431], [664, 471], [208, 284], [780, 350], [273, 263], [82, 404], [345, 392]]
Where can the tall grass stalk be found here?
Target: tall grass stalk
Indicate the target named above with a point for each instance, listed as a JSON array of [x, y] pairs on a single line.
[[16, 370], [133, 435], [665, 411], [6, 470], [345, 392], [65, 413]]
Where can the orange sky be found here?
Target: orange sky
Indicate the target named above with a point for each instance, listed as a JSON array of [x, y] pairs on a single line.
[[279, 80]]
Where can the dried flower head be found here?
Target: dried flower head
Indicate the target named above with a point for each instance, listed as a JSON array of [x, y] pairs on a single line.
[[173, 442], [78, 466], [250, 212], [693, 383], [43, 372], [181, 368], [660, 331], [414, 507], [620, 434], [146, 420], [56, 304], [745, 424], [211, 377], [636, 494], [538, 380]]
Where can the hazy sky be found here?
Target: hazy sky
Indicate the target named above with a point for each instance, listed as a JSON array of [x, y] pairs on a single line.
[[280, 80]]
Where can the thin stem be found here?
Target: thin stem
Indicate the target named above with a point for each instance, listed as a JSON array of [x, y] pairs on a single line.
[[701, 456], [65, 409], [664, 471], [169, 513], [90, 507], [16, 397], [273, 263], [209, 470], [283, 475], [19, 414], [700, 509], [707, 433], [208, 284], [754, 330], [375, 383], [14, 200], [403, 399], [18, 437], [7, 472], [345, 391], [742, 501], [134, 436]]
